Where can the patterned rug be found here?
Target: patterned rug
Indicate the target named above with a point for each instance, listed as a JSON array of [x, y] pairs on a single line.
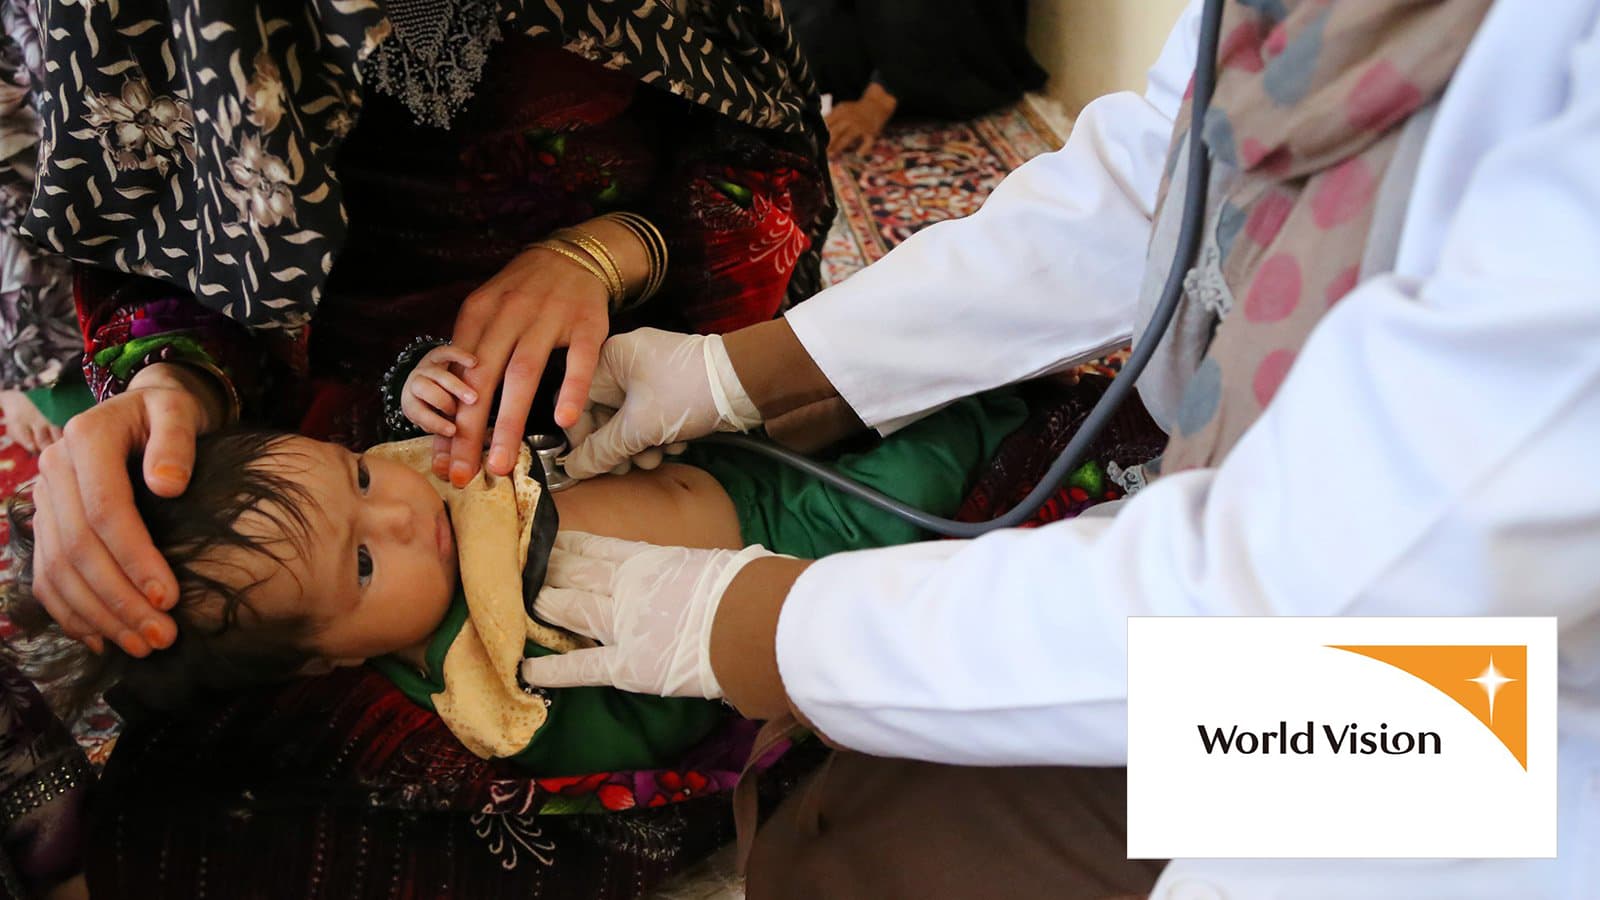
[[922, 172]]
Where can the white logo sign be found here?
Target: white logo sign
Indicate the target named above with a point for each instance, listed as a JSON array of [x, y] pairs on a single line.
[[1341, 737]]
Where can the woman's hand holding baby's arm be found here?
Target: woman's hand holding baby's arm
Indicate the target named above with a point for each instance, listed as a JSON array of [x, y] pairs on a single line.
[[541, 300], [433, 393], [95, 568]]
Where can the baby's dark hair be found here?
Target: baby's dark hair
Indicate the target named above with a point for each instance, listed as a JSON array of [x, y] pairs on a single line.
[[223, 644]]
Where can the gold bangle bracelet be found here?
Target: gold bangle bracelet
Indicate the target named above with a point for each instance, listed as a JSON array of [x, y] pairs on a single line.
[[601, 255], [230, 394], [655, 248], [656, 244], [555, 247]]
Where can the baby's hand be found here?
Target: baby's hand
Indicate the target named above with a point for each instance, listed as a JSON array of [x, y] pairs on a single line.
[[432, 392]]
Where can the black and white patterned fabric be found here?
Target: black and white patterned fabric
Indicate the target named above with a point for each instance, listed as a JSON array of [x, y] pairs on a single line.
[[195, 141], [39, 340]]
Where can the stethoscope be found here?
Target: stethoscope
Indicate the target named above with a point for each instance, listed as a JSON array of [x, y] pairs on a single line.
[[1188, 246]]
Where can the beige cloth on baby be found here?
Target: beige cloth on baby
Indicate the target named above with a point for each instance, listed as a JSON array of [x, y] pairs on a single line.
[[482, 702]]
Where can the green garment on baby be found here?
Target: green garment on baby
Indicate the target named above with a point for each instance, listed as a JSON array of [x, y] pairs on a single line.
[[929, 464], [64, 399], [594, 729]]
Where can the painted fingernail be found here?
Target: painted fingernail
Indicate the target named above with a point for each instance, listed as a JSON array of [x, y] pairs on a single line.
[[173, 473], [499, 458], [154, 634], [460, 473], [132, 644], [154, 594], [441, 465], [96, 645]]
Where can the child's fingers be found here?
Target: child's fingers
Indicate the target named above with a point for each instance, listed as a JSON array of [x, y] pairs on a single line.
[[452, 382], [449, 353], [427, 417], [434, 395], [431, 422]]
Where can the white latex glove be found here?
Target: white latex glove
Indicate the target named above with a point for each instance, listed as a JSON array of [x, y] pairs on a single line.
[[664, 388], [594, 417], [651, 607]]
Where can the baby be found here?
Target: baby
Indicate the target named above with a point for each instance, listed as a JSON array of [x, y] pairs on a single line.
[[295, 555]]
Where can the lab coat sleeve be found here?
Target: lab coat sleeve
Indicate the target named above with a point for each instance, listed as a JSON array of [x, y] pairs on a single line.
[[1430, 453], [1045, 275]]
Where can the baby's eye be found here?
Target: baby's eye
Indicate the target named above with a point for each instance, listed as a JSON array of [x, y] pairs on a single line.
[[363, 565], [363, 477]]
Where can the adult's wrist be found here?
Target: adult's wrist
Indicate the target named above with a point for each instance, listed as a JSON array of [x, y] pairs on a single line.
[[777, 373], [626, 249], [211, 390], [744, 636]]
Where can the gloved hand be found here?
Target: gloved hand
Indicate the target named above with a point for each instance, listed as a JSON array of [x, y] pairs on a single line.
[[654, 388], [651, 607]]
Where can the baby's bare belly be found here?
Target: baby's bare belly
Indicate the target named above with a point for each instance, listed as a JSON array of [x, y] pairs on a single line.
[[675, 505]]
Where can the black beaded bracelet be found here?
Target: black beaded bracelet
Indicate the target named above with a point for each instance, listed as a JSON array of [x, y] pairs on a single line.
[[395, 424]]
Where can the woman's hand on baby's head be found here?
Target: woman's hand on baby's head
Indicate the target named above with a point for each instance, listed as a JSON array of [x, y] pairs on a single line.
[[433, 392], [96, 569]]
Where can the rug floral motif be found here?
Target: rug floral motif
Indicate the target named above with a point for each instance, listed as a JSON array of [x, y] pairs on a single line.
[[921, 172]]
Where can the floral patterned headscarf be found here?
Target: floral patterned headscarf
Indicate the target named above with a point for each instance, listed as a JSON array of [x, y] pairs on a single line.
[[194, 141]]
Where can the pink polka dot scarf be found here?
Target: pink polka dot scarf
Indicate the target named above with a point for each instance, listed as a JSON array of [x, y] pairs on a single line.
[[1302, 129]]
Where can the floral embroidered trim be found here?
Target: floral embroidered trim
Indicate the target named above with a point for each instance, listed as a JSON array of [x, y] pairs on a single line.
[[435, 55]]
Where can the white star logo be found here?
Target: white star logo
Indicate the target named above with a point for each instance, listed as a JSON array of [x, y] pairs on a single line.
[[1491, 680]]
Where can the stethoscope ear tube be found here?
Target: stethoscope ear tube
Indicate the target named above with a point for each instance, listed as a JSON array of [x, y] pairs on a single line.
[[1189, 236]]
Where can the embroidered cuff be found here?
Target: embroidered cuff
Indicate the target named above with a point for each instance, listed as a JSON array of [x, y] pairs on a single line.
[[110, 369]]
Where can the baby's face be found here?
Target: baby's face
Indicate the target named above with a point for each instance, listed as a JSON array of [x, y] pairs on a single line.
[[378, 569]]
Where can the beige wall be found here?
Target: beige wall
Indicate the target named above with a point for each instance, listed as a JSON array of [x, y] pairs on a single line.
[[1094, 47]]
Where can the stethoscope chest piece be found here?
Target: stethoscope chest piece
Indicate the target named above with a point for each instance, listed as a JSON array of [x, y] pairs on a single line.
[[549, 448]]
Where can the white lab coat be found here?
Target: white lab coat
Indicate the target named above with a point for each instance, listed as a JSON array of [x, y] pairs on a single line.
[[1433, 451]]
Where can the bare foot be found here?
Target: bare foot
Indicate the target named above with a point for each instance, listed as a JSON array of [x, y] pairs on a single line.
[[856, 124], [25, 424]]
